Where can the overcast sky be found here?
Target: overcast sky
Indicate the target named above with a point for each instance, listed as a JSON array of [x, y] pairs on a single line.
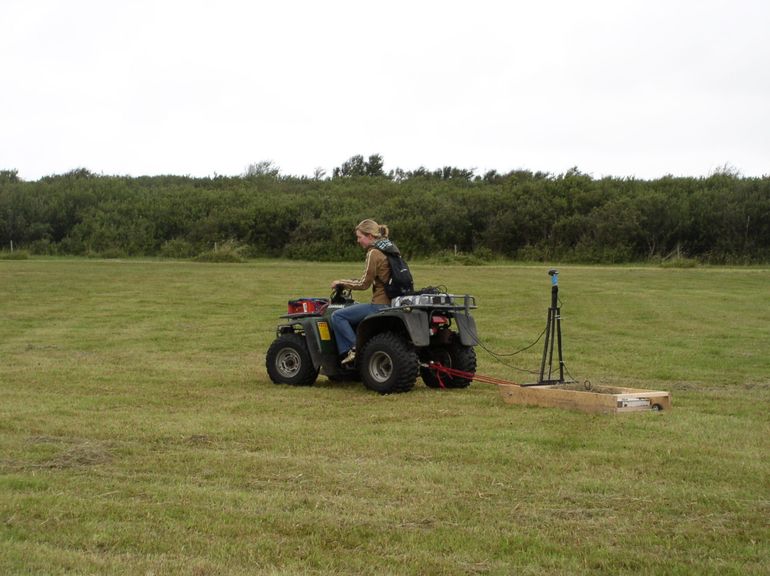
[[638, 88]]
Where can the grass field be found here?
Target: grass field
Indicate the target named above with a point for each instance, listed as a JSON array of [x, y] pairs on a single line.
[[139, 433]]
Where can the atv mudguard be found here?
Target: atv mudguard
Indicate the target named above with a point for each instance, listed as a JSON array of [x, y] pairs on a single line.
[[308, 325], [466, 326], [415, 323]]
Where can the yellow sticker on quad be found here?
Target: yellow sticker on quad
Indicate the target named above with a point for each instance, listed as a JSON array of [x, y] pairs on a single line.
[[323, 330]]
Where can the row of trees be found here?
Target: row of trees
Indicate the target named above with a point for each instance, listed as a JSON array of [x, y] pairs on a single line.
[[724, 218]]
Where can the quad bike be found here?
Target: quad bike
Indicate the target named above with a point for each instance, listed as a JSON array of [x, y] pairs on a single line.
[[394, 345]]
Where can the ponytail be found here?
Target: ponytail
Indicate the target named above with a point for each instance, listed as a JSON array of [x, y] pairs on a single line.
[[371, 228]]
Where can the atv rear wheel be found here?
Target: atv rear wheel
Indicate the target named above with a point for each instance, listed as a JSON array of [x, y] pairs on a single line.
[[452, 355], [388, 364], [288, 361]]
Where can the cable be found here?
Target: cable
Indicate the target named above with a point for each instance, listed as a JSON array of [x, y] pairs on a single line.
[[517, 351], [499, 355], [507, 364], [564, 365]]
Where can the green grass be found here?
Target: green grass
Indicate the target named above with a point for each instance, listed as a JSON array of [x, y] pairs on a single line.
[[139, 433]]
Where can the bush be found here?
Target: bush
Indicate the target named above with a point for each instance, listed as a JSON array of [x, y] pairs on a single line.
[[15, 255], [177, 248], [109, 254], [228, 252], [679, 262], [478, 257], [43, 247]]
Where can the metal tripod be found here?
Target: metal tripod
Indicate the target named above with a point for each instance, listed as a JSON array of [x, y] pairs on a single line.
[[552, 337]]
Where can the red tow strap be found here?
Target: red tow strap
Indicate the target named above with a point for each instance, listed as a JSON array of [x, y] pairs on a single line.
[[440, 369]]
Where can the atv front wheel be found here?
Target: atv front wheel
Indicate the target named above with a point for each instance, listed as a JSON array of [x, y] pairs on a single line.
[[452, 355], [288, 361], [388, 364]]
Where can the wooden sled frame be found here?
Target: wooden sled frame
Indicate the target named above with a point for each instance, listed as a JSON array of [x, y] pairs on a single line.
[[597, 399]]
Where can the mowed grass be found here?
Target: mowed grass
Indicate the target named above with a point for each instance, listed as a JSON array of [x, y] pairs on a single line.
[[139, 433]]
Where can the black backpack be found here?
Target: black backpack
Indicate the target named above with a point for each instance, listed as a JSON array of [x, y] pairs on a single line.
[[401, 282]]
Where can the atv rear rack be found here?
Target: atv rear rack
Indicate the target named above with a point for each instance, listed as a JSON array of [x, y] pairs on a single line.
[[440, 301]]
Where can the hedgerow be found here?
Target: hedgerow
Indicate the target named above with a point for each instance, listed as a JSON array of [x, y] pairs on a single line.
[[723, 218]]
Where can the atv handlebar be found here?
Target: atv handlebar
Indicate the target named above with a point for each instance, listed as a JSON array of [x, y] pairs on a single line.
[[340, 295]]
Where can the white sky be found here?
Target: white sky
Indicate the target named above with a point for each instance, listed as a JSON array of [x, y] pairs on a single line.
[[638, 88]]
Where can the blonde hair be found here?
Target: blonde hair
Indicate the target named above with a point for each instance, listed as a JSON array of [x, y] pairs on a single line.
[[371, 228]]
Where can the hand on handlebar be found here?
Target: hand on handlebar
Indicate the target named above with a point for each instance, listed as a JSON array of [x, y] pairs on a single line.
[[340, 294]]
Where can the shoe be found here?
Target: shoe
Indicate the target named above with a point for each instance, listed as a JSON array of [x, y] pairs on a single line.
[[349, 358]]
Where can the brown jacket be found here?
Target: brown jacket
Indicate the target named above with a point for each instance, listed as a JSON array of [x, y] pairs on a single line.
[[376, 275]]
